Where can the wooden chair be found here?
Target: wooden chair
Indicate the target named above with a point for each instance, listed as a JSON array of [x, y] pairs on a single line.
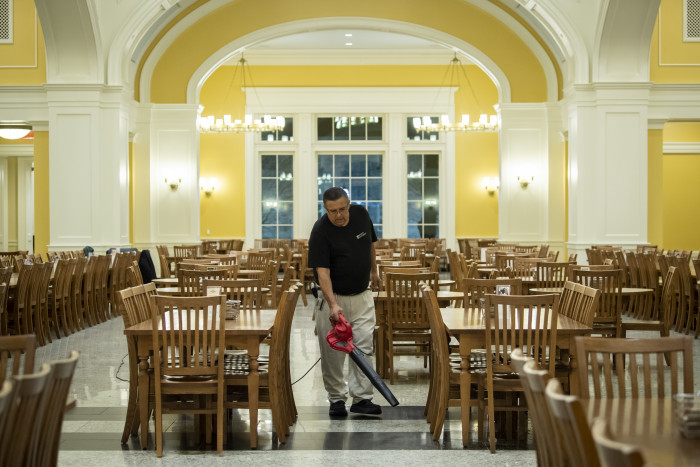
[[407, 322], [101, 288], [182, 252], [611, 452], [185, 364], [387, 267], [571, 425], [259, 260], [89, 291], [59, 306], [686, 320], [190, 281], [55, 398], [13, 347], [413, 253], [502, 262], [306, 274], [533, 381], [275, 380], [573, 258], [525, 321], [164, 261], [551, 274], [136, 309], [39, 301], [247, 291], [476, 289], [525, 267], [612, 353], [663, 320], [5, 276], [579, 302], [608, 319], [76, 293], [18, 305], [25, 417]]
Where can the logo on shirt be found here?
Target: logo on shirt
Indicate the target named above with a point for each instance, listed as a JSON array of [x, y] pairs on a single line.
[[360, 235]]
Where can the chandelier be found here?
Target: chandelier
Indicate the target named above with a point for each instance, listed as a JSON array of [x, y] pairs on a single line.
[[484, 123], [228, 124]]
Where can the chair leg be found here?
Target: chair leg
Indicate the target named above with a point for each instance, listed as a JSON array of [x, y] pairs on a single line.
[[159, 426]]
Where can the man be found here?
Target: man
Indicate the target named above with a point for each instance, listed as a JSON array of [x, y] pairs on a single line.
[[341, 248]]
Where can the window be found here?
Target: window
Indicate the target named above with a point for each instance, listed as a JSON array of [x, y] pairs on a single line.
[[286, 134], [414, 134], [423, 195], [277, 195], [360, 175], [349, 128]]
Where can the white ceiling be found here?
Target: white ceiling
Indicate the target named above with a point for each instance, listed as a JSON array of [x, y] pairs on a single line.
[[331, 47]]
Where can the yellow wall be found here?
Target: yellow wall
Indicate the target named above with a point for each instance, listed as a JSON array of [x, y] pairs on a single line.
[[236, 19], [681, 190], [41, 191], [223, 156], [671, 60], [24, 61], [12, 200]]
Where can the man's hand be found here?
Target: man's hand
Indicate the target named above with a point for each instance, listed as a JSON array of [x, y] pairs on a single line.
[[375, 281], [334, 311]]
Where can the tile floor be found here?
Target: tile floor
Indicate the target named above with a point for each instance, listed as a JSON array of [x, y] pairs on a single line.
[[92, 431]]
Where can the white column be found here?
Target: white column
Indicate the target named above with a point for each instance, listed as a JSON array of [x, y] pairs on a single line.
[[25, 203], [607, 165], [305, 176], [394, 179], [524, 146], [88, 167], [174, 154]]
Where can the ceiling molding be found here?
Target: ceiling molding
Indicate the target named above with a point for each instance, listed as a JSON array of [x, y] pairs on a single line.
[[345, 57], [682, 148]]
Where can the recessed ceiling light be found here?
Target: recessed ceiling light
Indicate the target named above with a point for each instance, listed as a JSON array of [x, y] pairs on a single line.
[[348, 43], [348, 35]]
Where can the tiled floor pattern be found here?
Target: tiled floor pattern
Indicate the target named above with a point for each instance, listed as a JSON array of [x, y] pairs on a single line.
[[92, 431]]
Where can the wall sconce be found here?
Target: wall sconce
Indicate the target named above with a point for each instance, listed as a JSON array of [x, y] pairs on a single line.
[[174, 184], [525, 180], [490, 184], [207, 185]]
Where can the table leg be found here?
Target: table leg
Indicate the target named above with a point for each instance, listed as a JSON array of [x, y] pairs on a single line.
[[144, 386], [465, 382], [253, 388], [573, 365]]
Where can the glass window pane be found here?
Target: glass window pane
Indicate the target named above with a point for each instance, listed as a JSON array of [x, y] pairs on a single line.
[[374, 165], [321, 211], [324, 128], [322, 187], [342, 129], [415, 190], [267, 136], [430, 231], [378, 230], [269, 212], [374, 128], [288, 130], [359, 189], [269, 232], [357, 128], [415, 163], [285, 213], [342, 165], [374, 189], [415, 212], [343, 183], [430, 214], [285, 190], [413, 231], [431, 165], [269, 166], [411, 131], [325, 165], [358, 162], [269, 189], [375, 212], [430, 189], [285, 165], [286, 232]]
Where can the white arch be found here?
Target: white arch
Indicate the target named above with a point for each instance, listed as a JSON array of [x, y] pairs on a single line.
[[225, 53]]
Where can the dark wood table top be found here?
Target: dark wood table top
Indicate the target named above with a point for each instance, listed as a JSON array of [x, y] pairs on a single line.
[[469, 320], [649, 424], [627, 291], [249, 322]]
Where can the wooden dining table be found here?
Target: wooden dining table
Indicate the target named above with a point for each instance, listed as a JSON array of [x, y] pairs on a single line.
[[246, 332], [469, 327], [649, 424], [625, 291], [381, 299]]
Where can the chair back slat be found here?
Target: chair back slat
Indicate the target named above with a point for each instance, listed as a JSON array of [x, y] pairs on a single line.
[[476, 289], [551, 274], [247, 291], [405, 308], [11, 350]]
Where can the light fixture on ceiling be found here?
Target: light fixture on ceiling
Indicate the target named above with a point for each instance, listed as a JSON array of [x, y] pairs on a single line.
[[455, 71], [229, 124], [14, 130]]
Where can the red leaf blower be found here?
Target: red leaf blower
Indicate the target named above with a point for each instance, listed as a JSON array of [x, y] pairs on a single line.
[[340, 338]]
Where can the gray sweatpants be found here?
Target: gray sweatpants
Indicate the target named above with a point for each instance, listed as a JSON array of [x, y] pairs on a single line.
[[359, 311]]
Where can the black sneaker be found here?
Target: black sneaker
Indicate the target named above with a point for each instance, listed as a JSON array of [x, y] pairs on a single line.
[[337, 409], [366, 407]]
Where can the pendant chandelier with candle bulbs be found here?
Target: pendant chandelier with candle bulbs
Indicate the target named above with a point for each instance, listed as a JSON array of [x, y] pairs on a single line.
[[246, 123], [485, 122]]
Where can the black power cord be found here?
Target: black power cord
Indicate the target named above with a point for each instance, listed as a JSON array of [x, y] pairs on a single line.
[[307, 371], [116, 375]]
